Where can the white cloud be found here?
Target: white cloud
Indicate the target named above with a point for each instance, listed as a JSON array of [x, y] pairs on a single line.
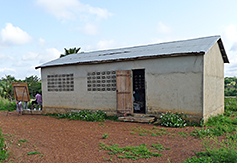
[[5, 57], [89, 29], [106, 44], [41, 42], [14, 35], [231, 33], [162, 28], [47, 55], [70, 9], [7, 70]]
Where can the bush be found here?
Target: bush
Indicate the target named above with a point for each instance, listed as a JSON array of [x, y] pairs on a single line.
[[172, 120], [4, 105]]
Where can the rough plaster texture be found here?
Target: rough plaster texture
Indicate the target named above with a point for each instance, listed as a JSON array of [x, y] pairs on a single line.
[[213, 83], [189, 84]]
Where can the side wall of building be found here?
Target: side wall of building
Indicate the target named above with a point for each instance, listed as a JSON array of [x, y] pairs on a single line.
[[172, 84], [175, 84], [213, 83]]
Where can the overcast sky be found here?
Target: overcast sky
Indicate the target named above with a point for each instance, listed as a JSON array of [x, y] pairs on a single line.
[[33, 32]]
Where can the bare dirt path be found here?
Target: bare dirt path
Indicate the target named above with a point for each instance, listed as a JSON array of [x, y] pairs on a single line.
[[61, 140]]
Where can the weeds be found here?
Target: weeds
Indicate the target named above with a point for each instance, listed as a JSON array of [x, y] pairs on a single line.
[[130, 152], [216, 151], [105, 136], [3, 152], [33, 153], [169, 119], [85, 115], [152, 132], [4, 105]]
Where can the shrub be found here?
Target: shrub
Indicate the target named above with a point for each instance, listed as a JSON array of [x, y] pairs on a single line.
[[4, 105], [172, 120]]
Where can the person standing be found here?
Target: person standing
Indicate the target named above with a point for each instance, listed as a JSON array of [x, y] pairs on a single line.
[[38, 99], [19, 107]]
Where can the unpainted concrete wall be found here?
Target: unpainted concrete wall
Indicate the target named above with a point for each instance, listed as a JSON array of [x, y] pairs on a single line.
[[213, 83], [175, 84], [172, 84]]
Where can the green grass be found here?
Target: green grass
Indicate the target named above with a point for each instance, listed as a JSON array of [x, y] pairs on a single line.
[[129, 152], [4, 105], [3, 152], [84, 115], [33, 153], [22, 140], [153, 132], [105, 136], [218, 151]]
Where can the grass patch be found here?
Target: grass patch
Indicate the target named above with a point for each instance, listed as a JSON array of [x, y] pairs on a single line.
[[4, 105], [105, 136], [216, 151], [33, 153], [84, 115], [22, 140], [3, 152], [153, 132], [130, 152]]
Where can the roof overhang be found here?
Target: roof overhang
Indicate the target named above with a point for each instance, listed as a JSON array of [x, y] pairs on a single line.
[[223, 53], [128, 59]]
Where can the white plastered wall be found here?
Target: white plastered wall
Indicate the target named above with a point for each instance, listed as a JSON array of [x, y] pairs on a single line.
[[172, 84], [213, 82]]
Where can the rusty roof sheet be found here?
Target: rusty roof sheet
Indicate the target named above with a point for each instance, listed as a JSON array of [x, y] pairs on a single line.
[[167, 49]]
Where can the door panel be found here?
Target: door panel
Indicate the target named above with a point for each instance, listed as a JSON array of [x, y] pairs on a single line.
[[124, 92]]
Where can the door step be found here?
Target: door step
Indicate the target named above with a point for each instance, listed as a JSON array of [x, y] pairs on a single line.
[[137, 119]]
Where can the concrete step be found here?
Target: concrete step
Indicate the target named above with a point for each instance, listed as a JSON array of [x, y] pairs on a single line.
[[33, 112], [137, 119]]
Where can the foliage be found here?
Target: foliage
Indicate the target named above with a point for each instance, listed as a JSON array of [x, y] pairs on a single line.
[[230, 86], [33, 153], [130, 152], [169, 119], [6, 90], [34, 85], [3, 152], [4, 105], [216, 151], [105, 136], [220, 124], [70, 51], [85, 115]]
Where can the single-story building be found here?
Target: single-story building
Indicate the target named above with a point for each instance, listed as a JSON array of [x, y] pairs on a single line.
[[180, 76]]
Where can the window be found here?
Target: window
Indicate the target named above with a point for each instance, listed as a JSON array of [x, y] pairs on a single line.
[[101, 81], [60, 82]]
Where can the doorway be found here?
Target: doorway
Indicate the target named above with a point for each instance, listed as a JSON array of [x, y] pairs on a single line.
[[139, 98]]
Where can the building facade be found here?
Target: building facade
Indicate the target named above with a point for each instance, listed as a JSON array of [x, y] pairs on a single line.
[[181, 76]]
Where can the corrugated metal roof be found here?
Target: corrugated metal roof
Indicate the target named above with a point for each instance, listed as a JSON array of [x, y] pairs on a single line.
[[167, 49]]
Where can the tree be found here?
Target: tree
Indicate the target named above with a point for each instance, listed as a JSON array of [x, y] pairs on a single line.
[[34, 85], [70, 51], [6, 89]]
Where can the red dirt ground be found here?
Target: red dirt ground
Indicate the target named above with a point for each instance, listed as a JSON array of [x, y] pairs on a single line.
[[61, 140]]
